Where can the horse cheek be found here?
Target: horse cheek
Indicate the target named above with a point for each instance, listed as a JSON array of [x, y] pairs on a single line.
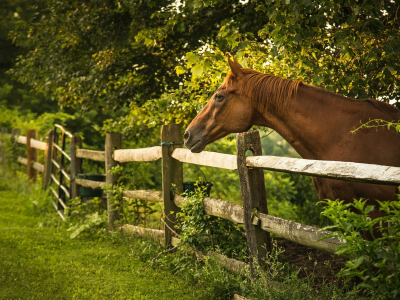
[[244, 119]]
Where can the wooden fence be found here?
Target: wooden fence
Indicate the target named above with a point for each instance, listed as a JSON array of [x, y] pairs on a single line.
[[33, 145], [254, 213]]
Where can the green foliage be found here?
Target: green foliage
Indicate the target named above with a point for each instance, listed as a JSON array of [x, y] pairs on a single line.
[[88, 217], [375, 262], [15, 118], [277, 281], [207, 273], [377, 123], [93, 222], [103, 54], [165, 61], [209, 233], [273, 144], [12, 93], [318, 39], [280, 281]]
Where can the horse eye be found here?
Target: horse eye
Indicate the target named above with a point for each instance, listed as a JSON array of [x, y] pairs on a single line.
[[219, 97]]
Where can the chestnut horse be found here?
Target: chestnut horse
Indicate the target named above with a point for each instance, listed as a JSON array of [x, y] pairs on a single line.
[[315, 122]]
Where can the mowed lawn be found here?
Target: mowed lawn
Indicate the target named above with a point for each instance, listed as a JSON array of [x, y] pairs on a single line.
[[44, 263]]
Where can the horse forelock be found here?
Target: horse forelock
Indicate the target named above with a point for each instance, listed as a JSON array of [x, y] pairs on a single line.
[[265, 90]]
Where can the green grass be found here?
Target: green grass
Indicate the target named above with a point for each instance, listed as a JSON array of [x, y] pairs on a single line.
[[39, 262]]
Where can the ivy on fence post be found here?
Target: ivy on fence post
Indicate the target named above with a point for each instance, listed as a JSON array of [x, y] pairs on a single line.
[[172, 174], [254, 198], [113, 142]]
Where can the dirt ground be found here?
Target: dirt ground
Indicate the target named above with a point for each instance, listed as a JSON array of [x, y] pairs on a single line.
[[324, 264]]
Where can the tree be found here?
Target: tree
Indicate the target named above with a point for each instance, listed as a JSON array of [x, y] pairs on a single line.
[[348, 47], [106, 53], [351, 47], [161, 60], [13, 93]]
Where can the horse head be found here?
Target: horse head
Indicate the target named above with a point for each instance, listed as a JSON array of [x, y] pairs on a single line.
[[228, 111]]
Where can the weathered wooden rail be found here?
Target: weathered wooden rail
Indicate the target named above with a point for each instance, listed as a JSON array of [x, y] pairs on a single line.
[[254, 214], [350, 171]]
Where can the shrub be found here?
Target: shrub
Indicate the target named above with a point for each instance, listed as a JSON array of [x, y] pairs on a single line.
[[206, 232], [86, 217], [376, 263]]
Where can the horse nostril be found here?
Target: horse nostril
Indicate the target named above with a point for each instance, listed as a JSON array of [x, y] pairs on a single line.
[[186, 135]]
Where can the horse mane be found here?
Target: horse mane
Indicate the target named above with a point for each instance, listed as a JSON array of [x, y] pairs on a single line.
[[266, 90], [274, 93]]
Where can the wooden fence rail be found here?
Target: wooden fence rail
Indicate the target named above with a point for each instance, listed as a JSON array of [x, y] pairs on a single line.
[[205, 158], [37, 166], [254, 213], [349, 171], [21, 139], [152, 196], [91, 154], [91, 184], [296, 232], [144, 154]]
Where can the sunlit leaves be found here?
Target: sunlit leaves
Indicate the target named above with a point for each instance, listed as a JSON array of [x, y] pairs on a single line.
[[375, 262], [197, 70], [166, 61], [192, 58], [338, 46]]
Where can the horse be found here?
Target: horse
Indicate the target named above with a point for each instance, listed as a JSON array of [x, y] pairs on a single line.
[[317, 123]]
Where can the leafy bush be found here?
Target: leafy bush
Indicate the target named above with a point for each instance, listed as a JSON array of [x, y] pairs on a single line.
[[376, 263], [86, 217], [209, 233], [92, 223]]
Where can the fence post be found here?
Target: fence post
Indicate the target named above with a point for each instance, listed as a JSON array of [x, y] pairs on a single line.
[[31, 154], [47, 160], [76, 165], [254, 197], [172, 173], [113, 142]]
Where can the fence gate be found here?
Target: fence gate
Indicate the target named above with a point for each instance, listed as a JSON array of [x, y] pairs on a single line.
[[60, 169]]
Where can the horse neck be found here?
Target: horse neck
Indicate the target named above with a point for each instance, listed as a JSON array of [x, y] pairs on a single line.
[[316, 122]]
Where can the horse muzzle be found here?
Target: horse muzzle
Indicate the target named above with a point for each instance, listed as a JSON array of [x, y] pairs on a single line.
[[194, 143]]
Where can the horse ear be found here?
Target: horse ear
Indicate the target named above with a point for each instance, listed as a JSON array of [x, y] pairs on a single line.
[[235, 67]]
